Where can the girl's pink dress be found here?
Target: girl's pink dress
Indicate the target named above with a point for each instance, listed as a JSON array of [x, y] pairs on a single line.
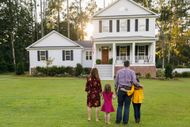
[[107, 106]]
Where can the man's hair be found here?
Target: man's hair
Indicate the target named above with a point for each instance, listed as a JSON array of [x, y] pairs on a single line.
[[126, 63]]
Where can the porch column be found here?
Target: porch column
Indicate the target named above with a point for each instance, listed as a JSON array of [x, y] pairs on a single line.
[[133, 53], [94, 55], [114, 59], [154, 52]]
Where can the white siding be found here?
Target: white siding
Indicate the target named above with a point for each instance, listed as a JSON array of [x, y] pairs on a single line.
[[56, 56], [124, 7], [55, 40], [86, 63], [141, 31]]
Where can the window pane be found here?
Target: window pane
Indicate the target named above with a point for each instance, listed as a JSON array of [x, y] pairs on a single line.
[[68, 52], [42, 55], [123, 51], [123, 26], [68, 57]]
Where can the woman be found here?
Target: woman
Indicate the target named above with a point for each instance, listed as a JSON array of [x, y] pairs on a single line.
[[93, 89]]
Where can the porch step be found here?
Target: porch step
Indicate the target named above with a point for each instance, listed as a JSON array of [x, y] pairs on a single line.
[[105, 72]]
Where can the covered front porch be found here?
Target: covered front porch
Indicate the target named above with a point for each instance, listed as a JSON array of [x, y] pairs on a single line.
[[139, 53], [116, 53]]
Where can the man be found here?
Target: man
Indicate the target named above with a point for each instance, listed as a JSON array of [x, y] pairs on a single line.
[[124, 79]]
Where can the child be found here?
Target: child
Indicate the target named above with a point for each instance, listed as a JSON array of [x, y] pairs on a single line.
[[137, 100], [107, 106]]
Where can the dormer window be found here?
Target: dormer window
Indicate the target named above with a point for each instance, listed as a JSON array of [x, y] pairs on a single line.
[[136, 25]]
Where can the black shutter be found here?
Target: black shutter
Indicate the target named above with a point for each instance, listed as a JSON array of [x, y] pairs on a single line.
[[71, 55], [63, 55], [128, 50], [100, 26], [46, 55], [146, 50], [118, 25], [147, 24], [136, 48], [128, 25], [136, 25], [110, 25], [38, 53], [117, 50]]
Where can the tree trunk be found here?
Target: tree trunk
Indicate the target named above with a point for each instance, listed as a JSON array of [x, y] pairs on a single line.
[[68, 20]]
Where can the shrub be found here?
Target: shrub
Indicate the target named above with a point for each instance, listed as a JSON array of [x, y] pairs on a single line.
[[159, 73], [98, 61], [3, 67], [110, 61], [52, 71], [185, 74], [70, 71], [41, 71], [168, 71], [86, 71], [78, 70], [148, 76], [19, 69]]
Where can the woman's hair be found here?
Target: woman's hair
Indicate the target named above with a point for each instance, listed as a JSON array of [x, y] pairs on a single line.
[[94, 73], [107, 88]]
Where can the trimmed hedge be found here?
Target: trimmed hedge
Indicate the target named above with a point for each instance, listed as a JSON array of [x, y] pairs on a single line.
[[62, 71]]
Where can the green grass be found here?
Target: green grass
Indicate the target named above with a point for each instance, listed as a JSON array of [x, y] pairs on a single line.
[[61, 102]]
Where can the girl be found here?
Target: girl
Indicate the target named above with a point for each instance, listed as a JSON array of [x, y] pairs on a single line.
[[137, 100], [107, 106], [93, 89]]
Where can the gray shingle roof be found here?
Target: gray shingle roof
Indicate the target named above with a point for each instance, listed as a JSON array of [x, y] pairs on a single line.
[[85, 44]]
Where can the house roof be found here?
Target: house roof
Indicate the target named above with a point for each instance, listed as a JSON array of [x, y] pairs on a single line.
[[85, 44], [35, 44], [98, 14]]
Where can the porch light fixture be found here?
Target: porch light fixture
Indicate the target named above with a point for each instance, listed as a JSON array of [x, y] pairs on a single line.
[[110, 49], [100, 49]]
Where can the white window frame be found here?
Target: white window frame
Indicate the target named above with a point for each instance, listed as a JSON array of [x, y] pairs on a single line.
[[67, 56], [141, 50], [105, 26], [88, 55], [123, 25], [42, 55]]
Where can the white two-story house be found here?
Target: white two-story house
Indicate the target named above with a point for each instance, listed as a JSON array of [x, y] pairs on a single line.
[[123, 31]]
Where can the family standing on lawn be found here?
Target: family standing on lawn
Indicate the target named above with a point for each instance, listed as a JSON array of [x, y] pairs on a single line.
[[127, 88]]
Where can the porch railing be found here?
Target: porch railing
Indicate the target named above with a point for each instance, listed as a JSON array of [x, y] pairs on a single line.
[[121, 59], [138, 59], [143, 59]]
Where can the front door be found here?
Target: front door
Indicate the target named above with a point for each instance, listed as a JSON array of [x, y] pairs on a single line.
[[105, 54]]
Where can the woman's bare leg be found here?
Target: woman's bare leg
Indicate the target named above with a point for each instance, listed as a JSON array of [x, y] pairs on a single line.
[[89, 113], [97, 114]]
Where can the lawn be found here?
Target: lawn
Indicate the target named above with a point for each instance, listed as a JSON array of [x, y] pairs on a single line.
[[61, 102]]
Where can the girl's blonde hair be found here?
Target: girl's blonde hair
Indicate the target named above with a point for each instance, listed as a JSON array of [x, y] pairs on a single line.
[[107, 88]]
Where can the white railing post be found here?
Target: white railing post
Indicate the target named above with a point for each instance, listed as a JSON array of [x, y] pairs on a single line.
[[133, 53], [94, 55], [113, 59]]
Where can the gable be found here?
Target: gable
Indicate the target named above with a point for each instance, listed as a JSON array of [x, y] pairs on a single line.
[[124, 8], [54, 39]]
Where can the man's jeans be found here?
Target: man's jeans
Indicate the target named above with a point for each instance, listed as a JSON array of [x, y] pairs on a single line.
[[123, 99]]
